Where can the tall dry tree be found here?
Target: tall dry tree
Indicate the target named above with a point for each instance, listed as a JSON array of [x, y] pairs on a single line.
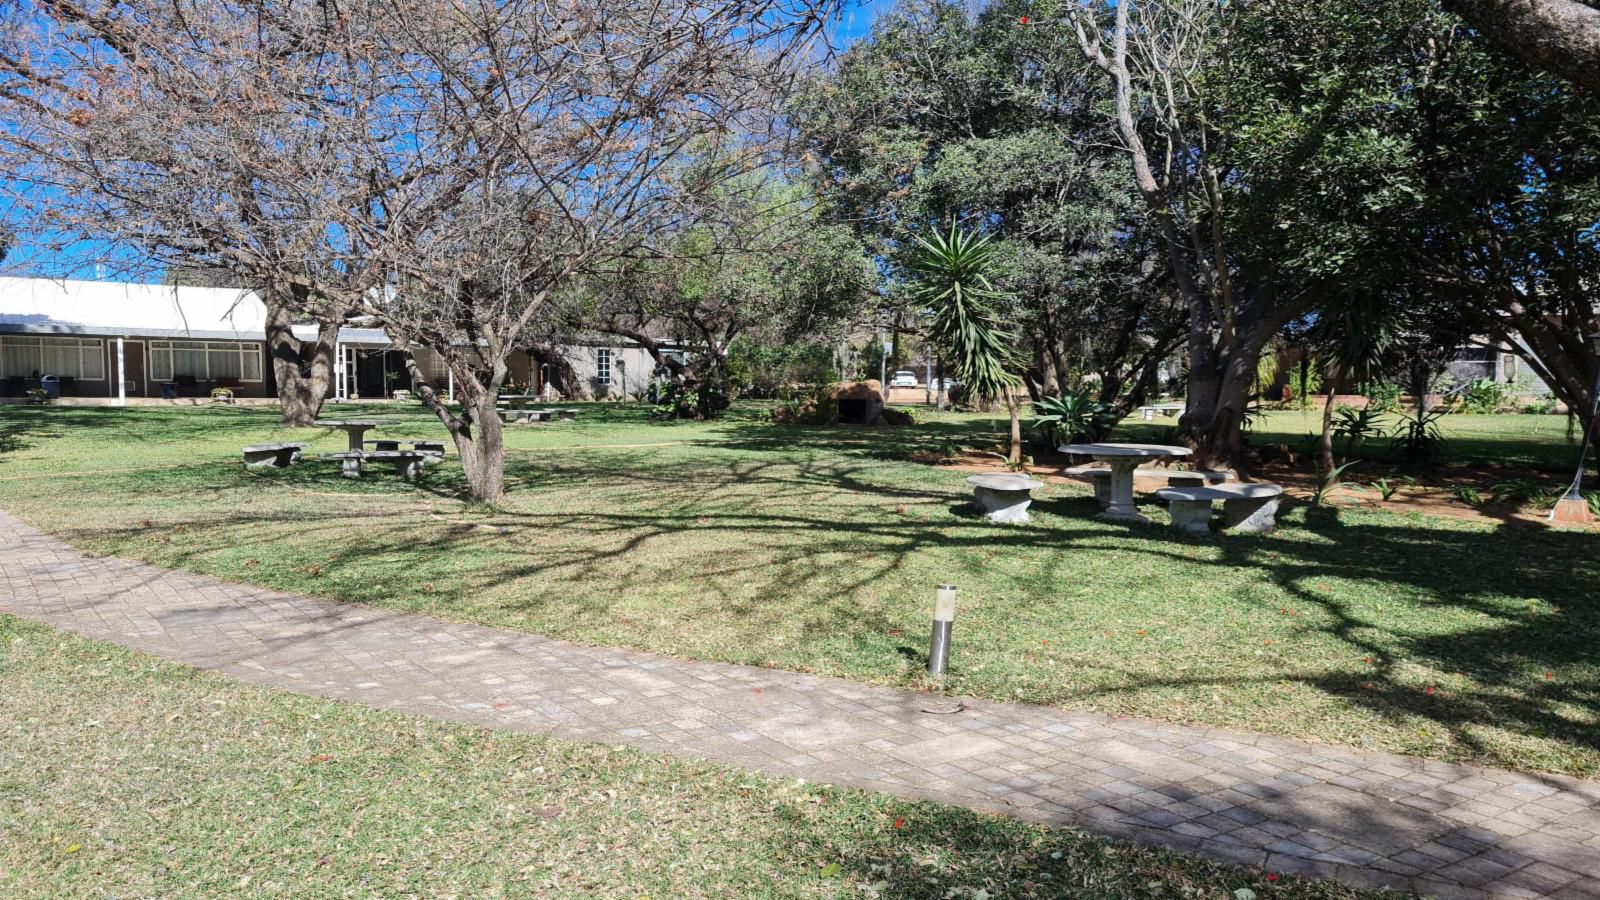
[[548, 144], [159, 135], [440, 169]]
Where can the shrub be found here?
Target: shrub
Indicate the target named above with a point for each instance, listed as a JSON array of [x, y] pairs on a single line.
[[806, 404], [1382, 396], [1417, 440], [1482, 396], [1356, 425]]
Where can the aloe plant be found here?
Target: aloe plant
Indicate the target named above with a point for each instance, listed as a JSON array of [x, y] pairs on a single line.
[[1069, 418]]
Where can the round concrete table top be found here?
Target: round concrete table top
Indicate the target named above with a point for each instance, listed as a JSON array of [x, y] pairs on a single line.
[[1137, 451]]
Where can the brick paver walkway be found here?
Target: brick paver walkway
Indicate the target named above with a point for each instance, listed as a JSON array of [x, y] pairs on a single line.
[[1367, 818]]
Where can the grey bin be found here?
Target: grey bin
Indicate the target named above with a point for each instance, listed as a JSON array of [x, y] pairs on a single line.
[[51, 385]]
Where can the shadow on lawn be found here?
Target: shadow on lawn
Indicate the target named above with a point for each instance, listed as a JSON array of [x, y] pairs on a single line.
[[840, 551]]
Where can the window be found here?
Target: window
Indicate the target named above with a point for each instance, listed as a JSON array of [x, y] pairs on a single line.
[[205, 360], [31, 357], [602, 365]]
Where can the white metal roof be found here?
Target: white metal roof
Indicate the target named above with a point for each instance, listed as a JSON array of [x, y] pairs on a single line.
[[50, 306]]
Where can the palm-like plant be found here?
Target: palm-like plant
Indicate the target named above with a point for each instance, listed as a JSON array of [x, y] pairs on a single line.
[[952, 279]]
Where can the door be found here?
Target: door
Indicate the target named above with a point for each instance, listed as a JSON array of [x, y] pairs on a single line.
[[133, 368], [369, 374]]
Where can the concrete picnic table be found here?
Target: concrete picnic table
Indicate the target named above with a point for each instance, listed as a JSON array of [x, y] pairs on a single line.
[[1123, 459], [355, 428]]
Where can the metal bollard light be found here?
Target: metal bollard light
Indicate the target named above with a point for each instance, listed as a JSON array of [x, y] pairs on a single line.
[[944, 615]]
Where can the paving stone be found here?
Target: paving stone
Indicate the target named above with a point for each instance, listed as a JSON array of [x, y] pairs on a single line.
[[1324, 811]]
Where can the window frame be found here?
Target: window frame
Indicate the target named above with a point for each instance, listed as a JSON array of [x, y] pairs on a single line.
[[604, 360], [90, 348], [159, 359]]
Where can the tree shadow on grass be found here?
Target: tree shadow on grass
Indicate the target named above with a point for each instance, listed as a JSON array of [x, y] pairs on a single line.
[[757, 562]]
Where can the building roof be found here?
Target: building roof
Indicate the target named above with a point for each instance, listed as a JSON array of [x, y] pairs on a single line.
[[50, 306], [112, 309]]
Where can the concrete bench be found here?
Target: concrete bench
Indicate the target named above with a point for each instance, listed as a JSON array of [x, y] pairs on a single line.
[[383, 445], [1249, 508], [433, 450], [349, 462], [280, 456], [407, 463], [569, 415], [1167, 409], [1101, 478], [1003, 497], [525, 416]]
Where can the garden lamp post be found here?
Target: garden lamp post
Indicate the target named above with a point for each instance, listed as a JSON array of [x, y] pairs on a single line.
[[944, 617], [1573, 508]]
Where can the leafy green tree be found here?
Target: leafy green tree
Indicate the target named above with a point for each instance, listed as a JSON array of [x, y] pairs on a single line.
[[946, 115], [1449, 181], [759, 264]]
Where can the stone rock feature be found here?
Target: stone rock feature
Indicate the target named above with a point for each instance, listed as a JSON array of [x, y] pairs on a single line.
[[860, 402]]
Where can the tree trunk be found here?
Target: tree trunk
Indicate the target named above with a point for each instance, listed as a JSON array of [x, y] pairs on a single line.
[[1213, 417], [480, 441], [1557, 36], [477, 433], [1325, 463], [302, 369], [1013, 407]]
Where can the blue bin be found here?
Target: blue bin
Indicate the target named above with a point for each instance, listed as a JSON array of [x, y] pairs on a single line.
[[52, 386], [169, 390]]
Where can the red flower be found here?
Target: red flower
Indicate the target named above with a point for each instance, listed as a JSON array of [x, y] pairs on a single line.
[[900, 822], [1022, 20], [1273, 876], [1430, 688]]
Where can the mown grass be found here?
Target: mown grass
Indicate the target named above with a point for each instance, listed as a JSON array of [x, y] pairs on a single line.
[[818, 550], [122, 775], [1540, 442]]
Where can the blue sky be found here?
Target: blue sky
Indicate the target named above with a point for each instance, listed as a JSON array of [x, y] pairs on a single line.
[[855, 22]]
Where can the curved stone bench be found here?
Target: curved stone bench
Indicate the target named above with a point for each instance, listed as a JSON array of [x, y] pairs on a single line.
[[1249, 508], [1100, 477], [1003, 497], [407, 463], [349, 462], [281, 456], [433, 450]]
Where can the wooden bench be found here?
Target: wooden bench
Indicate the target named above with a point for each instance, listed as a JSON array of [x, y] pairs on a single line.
[[1003, 497], [1248, 508], [280, 456], [1101, 478]]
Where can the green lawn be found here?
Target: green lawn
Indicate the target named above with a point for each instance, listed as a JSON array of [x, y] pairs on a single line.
[[818, 550], [1534, 442], [122, 775]]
